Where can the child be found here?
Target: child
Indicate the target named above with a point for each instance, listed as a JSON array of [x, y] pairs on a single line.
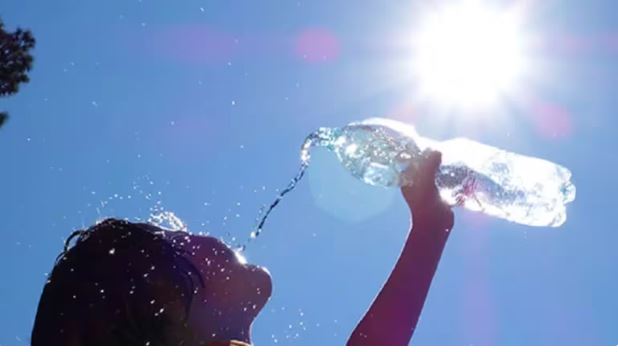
[[123, 283]]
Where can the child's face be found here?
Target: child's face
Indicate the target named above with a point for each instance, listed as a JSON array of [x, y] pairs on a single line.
[[234, 292]]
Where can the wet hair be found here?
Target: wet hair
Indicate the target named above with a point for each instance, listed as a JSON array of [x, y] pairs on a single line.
[[118, 283]]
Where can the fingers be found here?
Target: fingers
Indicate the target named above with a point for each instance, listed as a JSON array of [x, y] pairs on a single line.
[[425, 176], [423, 186], [427, 168], [428, 165], [423, 198]]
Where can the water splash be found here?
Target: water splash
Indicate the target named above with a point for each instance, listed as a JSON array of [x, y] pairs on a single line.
[[167, 220]]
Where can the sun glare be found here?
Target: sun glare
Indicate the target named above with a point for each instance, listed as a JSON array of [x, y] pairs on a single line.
[[468, 54]]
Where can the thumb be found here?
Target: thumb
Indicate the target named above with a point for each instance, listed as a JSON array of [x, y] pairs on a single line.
[[431, 162]]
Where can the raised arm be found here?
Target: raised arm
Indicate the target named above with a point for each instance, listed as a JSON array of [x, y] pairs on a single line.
[[392, 317]]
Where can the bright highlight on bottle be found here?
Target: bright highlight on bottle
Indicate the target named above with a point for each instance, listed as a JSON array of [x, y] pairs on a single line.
[[469, 54]]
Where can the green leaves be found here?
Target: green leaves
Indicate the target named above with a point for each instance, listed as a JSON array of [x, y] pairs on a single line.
[[15, 61]]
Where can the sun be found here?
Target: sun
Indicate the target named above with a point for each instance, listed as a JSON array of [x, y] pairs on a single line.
[[468, 54]]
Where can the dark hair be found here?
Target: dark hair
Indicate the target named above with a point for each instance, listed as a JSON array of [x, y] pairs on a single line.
[[120, 283]]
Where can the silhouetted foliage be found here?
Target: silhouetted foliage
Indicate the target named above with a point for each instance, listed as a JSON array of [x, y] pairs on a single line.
[[15, 61]]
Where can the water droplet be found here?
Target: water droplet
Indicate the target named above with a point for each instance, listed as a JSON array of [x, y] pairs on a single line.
[[167, 220]]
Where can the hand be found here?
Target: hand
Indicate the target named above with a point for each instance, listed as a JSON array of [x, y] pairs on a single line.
[[428, 209]]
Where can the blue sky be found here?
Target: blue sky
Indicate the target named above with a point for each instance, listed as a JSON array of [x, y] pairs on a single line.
[[200, 107]]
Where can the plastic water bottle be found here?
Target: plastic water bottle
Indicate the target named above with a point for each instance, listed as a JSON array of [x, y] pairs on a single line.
[[479, 177]]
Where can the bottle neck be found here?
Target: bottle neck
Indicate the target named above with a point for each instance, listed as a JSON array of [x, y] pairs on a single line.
[[322, 137]]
